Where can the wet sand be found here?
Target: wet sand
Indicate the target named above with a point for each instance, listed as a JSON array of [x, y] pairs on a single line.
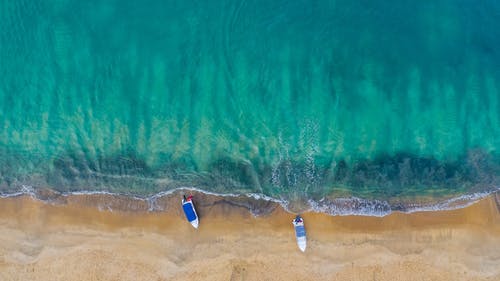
[[101, 237]]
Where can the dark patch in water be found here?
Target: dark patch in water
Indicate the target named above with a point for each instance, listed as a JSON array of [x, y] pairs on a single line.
[[233, 173], [385, 177], [389, 175]]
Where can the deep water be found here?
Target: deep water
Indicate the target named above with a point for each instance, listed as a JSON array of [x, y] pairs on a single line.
[[296, 100]]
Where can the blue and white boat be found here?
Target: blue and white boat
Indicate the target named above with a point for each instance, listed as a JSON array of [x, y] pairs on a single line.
[[300, 232], [189, 211]]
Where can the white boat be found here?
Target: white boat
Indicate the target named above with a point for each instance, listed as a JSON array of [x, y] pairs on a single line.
[[300, 232], [190, 211]]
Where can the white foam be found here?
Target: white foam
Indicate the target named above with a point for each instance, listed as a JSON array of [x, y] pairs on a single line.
[[25, 190], [334, 207], [351, 206], [459, 202]]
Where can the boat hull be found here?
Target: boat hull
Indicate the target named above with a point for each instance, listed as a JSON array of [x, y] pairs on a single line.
[[194, 223], [302, 243], [300, 235], [190, 213]]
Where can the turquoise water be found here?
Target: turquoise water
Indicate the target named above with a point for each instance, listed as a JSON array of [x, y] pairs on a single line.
[[291, 99]]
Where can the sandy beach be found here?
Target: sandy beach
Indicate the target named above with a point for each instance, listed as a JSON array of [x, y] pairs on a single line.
[[97, 237]]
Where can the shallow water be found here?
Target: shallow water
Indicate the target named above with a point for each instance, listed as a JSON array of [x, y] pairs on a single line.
[[294, 100]]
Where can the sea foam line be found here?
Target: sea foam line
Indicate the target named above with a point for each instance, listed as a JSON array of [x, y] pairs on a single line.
[[345, 206], [151, 200], [454, 203]]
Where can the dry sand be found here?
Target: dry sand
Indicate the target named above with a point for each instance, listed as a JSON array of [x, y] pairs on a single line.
[[77, 241]]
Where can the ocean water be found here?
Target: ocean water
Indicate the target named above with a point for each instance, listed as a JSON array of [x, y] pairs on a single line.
[[306, 101]]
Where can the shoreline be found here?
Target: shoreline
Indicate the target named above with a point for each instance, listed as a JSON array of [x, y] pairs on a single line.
[[329, 205], [78, 240]]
